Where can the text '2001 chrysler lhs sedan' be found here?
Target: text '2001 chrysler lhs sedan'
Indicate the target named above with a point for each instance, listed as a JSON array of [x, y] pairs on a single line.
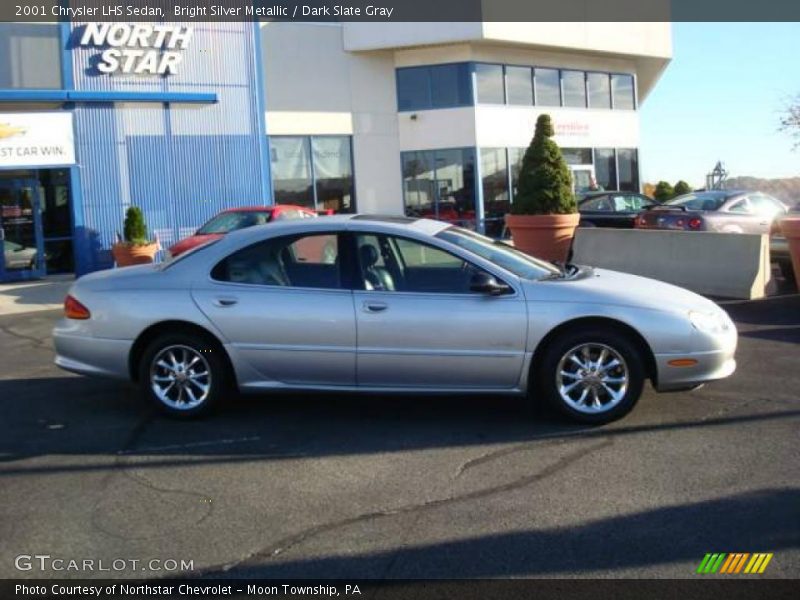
[[388, 304]]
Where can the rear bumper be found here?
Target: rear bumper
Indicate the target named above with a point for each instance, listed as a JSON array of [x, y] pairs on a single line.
[[92, 356]]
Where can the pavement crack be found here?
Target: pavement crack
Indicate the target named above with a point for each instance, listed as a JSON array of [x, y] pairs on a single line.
[[41, 343], [303, 536]]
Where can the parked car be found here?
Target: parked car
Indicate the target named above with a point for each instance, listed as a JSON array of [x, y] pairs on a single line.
[[239, 218], [726, 211], [406, 305], [612, 208], [17, 256]]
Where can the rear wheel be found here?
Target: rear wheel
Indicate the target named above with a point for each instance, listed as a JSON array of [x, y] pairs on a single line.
[[593, 376], [182, 374]]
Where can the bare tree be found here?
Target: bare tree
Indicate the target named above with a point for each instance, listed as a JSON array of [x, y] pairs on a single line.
[[790, 121]]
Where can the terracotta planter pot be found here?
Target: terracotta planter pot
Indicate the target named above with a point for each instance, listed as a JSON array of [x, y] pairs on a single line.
[[127, 255], [544, 236], [790, 226]]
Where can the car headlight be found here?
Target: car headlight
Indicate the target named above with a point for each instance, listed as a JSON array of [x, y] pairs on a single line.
[[715, 323]]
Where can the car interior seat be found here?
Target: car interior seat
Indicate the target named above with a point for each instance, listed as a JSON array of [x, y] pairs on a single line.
[[375, 277]]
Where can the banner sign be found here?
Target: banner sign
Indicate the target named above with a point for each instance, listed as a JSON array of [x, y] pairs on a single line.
[[36, 140]]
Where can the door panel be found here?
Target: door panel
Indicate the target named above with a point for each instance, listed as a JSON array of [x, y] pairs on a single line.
[[280, 303], [440, 340], [419, 324]]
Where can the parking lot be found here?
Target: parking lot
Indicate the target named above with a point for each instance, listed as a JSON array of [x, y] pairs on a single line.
[[388, 487]]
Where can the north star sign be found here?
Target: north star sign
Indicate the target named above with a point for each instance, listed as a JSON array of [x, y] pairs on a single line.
[[138, 48]]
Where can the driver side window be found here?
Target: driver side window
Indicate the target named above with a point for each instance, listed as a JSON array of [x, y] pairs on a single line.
[[397, 264]]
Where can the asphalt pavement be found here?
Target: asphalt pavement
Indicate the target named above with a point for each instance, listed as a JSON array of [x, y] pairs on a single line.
[[364, 486]]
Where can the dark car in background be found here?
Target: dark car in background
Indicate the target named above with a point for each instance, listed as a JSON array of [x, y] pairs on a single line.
[[612, 208], [723, 211]]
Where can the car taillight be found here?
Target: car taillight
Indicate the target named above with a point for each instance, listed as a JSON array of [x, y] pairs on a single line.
[[642, 222], [679, 222], [695, 223], [74, 309]]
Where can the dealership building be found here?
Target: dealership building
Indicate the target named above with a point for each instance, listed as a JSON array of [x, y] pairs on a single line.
[[187, 119]]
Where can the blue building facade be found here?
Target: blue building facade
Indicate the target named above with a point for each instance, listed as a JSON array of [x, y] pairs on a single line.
[[182, 144]]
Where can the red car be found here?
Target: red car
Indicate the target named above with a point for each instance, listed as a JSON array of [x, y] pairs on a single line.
[[239, 218]]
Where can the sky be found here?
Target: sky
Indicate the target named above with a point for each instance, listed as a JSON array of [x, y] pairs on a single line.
[[721, 98]]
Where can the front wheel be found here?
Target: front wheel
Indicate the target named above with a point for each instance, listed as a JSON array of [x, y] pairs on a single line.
[[593, 376], [182, 374]]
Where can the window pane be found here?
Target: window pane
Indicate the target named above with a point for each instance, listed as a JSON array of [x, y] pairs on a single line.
[[308, 261], [622, 90], [548, 87], [519, 81], [605, 168], [574, 88], [450, 85], [628, 169], [333, 168], [496, 203], [577, 156], [413, 88], [455, 186], [426, 269], [418, 184], [515, 156], [599, 90], [291, 171], [30, 56], [489, 80]]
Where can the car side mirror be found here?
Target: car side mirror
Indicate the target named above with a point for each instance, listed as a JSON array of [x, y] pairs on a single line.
[[483, 282]]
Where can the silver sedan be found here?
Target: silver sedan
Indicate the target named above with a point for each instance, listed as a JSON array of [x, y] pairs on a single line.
[[388, 304]]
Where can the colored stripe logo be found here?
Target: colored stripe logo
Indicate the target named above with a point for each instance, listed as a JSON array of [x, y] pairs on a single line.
[[734, 563]]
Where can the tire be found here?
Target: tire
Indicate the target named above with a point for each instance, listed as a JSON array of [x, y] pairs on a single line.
[[603, 386], [195, 362]]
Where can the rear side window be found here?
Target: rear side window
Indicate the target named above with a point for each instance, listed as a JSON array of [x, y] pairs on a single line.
[[309, 261]]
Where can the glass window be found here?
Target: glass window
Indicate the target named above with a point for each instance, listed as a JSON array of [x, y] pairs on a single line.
[[450, 85], [291, 171], [574, 84], [496, 199], [489, 81], [30, 56], [503, 255], [605, 168], [333, 168], [766, 205], [519, 84], [308, 261], [515, 156], [232, 221], [548, 87], [440, 184], [701, 201], [577, 156], [622, 91], [601, 203], [419, 190], [599, 90], [742, 207], [628, 161], [455, 186], [413, 88]]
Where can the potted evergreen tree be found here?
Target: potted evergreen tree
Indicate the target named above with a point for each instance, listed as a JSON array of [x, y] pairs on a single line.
[[544, 214], [136, 248]]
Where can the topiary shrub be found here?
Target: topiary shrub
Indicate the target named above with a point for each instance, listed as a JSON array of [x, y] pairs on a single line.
[[545, 181], [135, 228]]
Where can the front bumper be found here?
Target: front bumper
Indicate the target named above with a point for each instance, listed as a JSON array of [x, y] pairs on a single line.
[[709, 366]]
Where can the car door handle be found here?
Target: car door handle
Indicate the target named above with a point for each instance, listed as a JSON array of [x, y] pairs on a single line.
[[225, 302], [375, 307]]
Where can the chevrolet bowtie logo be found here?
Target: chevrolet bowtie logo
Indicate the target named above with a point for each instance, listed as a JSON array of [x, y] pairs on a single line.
[[7, 131]]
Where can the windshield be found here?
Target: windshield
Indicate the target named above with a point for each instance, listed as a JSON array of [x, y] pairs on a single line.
[[698, 201], [231, 221], [501, 254]]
